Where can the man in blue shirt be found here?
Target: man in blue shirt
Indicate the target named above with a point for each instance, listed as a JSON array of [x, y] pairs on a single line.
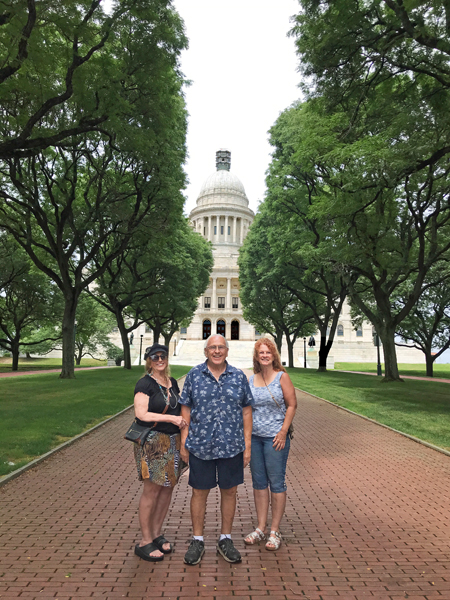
[[217, 406]]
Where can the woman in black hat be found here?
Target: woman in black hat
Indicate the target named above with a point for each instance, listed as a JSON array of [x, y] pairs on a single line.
[[158, 461]]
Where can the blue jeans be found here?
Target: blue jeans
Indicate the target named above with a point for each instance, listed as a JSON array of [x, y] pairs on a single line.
[[268, 466]]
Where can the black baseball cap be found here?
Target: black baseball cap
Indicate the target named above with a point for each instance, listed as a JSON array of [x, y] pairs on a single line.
[[154, 349]]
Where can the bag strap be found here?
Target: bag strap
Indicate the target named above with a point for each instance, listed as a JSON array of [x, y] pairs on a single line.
[[271, 393], [155, 423]]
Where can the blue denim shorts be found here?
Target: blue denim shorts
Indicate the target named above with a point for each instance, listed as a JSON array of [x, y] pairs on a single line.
[[268, 466]]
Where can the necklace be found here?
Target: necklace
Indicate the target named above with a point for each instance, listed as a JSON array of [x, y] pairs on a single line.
[[167, 395]]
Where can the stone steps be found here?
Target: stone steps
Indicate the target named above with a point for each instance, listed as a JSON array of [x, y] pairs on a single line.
[[192, 353]]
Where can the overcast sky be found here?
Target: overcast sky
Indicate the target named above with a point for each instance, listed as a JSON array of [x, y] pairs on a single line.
[[243, 70]]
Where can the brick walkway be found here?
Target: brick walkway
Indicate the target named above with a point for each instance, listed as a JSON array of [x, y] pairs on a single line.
[[367, 518]]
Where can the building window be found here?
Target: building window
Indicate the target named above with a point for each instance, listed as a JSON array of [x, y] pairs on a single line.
[[215, 229], [183, 331], [229, 229], [207, 302], [221, 229], [221, 302], [257, 332], [147, 328], [340, 330], [359, 332], [115, 330], [235, 302], [204, 230]]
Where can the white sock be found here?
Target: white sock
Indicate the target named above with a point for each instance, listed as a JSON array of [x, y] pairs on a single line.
[[198, 537], [224, 535]]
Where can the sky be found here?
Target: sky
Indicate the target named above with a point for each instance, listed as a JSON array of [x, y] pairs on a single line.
[[243, 71]]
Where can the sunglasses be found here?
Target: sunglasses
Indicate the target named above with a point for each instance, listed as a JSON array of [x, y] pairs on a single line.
[[157, 357]]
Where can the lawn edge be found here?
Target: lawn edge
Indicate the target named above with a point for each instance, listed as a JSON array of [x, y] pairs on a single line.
[[352, 412], [6, 478]]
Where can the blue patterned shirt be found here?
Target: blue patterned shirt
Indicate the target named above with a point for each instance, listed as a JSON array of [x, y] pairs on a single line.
[[217, 427]]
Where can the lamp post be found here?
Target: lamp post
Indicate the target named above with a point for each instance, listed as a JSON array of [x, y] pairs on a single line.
[[376, 341], [304, 353], [75, 342], [140, 349]]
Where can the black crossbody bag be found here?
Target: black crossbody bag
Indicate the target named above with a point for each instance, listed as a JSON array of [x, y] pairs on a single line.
[[139, 433]]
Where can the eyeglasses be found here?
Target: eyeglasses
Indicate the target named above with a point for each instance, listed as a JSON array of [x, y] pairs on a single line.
[[219, 348], [157, 357]]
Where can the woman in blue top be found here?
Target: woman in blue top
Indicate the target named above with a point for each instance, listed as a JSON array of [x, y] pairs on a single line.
[[274, 408]]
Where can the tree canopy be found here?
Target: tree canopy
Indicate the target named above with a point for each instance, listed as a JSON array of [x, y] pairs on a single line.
[[79, 203]]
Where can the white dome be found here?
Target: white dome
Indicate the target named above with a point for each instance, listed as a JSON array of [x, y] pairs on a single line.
[[220, 182]]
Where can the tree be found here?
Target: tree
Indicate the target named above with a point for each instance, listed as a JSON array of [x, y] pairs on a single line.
[[428, 325], [378, 76], [28, 302], [296, 233], [268, 303], [182, 275], [83, 201], [52, 57], [378, 230], [93, 326], [157, 280], [351, 51]]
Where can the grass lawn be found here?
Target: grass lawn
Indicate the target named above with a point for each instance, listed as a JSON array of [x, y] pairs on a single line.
[[440, 371], [31, 364], [39, 412], [420, 408]]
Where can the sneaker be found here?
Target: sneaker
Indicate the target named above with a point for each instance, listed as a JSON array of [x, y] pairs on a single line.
[[226, 548], [195, 552]]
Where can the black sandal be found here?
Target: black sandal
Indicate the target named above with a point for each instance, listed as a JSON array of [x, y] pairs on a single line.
[[144, 552], [159, 543]]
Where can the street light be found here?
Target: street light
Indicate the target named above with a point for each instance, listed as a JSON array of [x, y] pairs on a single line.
[[376, 341], [140, 349], [304, 353]]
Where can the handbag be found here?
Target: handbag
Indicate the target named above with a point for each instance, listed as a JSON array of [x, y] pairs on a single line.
[[139, 433], [291, 426]]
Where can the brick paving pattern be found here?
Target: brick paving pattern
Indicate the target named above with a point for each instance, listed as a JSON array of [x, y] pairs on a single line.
[[367, 518]]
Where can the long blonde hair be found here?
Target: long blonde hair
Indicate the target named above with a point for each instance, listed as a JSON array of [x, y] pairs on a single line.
[[276, 363]]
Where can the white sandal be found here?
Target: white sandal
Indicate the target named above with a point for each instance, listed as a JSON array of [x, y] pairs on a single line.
[[255, 537], [275, 540]]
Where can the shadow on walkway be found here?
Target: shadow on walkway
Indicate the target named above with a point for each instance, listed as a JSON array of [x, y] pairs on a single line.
[[367, 518]]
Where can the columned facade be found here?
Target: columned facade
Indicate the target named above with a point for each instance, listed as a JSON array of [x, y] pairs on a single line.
[[223, 217]]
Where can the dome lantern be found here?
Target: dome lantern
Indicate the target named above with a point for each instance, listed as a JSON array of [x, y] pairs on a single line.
[[223, 160]]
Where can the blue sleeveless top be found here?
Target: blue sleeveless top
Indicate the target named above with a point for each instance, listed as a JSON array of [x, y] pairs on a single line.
[[267, 417]]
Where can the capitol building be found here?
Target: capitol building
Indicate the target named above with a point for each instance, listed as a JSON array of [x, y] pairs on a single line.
[[222, 216]]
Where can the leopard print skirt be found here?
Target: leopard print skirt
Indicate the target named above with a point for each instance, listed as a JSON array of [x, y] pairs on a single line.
[[159, 459]]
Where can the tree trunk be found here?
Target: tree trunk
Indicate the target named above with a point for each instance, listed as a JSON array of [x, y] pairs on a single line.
[[68, 336], [125, 342], [15, 354], [78, 356], [156, 333], [28, 355], [278, 339], [429, 362], [387, 336], [290, 345], [323, 353]]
